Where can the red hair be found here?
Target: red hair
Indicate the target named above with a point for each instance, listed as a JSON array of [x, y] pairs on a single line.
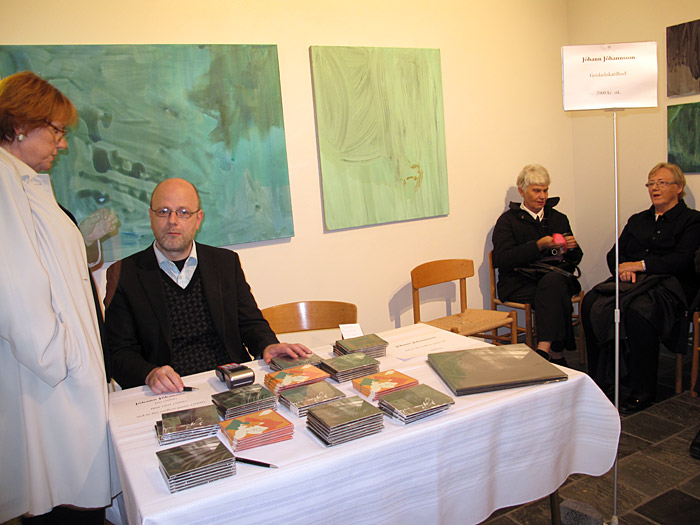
[[28, 101]]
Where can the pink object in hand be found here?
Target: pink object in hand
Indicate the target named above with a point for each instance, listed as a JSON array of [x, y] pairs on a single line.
[[559, 239]]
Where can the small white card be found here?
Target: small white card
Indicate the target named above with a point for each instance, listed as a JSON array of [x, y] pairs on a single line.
[[609, 76], [350, 330]]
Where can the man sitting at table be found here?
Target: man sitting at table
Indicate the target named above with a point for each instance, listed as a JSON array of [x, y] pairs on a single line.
[[179, 307]]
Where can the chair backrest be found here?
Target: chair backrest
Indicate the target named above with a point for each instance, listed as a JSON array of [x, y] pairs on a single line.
[[309, 315], [492, 281], [437, 272]]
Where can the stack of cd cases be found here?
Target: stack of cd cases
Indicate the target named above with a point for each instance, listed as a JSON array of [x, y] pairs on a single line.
[[299, 400], [189, 423], [414, 403], [196, 463], [372, 345], [243, 400], [350, 366], [283, 361], [293, 377], [344, 420]]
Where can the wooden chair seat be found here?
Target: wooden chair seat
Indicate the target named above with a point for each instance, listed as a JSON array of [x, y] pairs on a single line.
[[473, 322], [469, 322], [309, 315]]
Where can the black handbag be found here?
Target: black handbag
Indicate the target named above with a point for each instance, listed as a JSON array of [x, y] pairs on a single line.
[[537, 269]]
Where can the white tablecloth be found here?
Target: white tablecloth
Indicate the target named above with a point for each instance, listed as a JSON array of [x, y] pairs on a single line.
[[486, 452]]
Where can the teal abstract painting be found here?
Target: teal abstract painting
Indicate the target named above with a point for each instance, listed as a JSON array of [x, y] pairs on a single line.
[[381, 134], [684, 136], [211, 114]]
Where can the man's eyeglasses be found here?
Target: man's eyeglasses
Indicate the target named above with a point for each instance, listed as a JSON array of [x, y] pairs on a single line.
[[58, 132], [660, 183], [182, 213]]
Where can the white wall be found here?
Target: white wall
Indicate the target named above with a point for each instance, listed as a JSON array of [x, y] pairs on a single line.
[[502, 95]]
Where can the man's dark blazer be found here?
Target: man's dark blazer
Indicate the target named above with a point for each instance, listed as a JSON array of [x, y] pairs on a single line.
[[138, 328]]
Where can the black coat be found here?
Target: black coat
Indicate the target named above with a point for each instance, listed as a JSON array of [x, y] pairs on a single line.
[[515, 243], [137, 322], [666, 245]]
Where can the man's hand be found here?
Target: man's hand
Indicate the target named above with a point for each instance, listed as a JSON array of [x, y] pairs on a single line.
[[294, 350], [164, 379]]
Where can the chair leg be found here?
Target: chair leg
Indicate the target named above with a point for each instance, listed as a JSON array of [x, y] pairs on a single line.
[[555, 508], [679, 373], [513, 326], [581, 344], [528, 327], [696, 355], [694, 372]]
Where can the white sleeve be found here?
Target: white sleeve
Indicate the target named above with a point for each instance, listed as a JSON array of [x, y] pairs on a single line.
[[29, 325]]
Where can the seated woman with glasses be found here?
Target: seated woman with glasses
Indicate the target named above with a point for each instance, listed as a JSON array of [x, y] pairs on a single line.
[[657, 282]]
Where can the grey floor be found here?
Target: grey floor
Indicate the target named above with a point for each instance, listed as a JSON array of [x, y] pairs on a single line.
[[658, 481]]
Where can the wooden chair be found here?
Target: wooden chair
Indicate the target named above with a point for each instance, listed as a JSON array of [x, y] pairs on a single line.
[[309, 315], [479, 323], [529, 329]]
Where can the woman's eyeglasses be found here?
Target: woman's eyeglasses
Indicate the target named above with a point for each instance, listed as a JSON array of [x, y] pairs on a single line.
[[660, 183], [59, 133]]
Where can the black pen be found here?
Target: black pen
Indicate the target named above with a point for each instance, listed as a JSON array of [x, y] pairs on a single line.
[[256, 462], [188, 388]]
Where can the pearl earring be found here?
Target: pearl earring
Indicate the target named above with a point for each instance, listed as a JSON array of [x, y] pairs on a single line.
[[20, 137]]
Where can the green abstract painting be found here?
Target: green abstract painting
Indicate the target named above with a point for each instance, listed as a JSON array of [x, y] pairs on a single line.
[[684, 136], [211, 114], [381, 134]]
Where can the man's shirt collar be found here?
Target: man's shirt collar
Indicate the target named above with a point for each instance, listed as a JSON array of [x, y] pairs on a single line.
[[181, 277]]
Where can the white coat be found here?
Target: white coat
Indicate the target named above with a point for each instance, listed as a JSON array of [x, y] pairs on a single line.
[[54, 444]]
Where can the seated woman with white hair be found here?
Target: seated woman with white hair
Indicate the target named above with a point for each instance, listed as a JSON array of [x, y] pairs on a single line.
[[534, 232]]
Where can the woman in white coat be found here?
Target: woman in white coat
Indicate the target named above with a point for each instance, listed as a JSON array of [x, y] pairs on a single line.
[[54, 446]]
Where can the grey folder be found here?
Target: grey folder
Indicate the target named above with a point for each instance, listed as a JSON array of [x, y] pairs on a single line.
[[493, 368]]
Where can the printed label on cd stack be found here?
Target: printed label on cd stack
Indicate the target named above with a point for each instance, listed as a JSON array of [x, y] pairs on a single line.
[[344, 420], [414, 403], [350, 366], [299, 400], [195, 463], [372, 345], [376, 385], [244, 400], [189, 423], [282, 362], [294, 377], [256, 429]]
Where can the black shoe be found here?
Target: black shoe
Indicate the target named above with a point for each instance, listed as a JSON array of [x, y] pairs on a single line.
[[559, 361], [634, 404], [695, 447], [543, 354]]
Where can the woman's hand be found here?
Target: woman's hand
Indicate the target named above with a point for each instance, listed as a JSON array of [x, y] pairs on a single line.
[[628, 271]]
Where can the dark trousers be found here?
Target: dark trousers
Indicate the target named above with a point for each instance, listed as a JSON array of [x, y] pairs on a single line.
[[640, 358], [550, 296]]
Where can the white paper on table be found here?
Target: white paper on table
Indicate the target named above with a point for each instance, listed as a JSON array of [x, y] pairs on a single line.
[[423, 339], [350, 330], [609, 76], [129, 407]]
